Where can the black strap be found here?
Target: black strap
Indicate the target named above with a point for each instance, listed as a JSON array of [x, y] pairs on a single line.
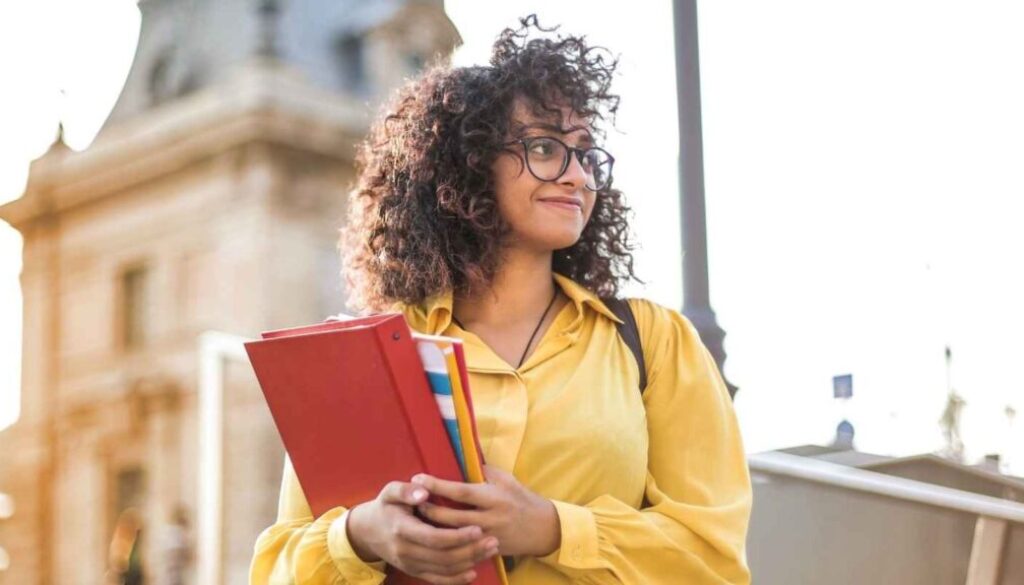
[[630, 333]]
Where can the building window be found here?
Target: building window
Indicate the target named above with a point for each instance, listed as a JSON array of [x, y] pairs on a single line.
[[158, 83], [134, 313], [125, 549], [130, 489], [415, 63], [351, 51]]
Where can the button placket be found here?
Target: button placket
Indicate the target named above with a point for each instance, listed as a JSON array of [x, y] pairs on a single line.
[[508, 436]]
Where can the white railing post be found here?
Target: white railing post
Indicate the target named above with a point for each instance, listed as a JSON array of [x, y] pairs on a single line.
[[214, 349], [987, 551]]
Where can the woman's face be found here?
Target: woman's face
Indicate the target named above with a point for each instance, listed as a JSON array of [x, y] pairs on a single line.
[[544, 216]]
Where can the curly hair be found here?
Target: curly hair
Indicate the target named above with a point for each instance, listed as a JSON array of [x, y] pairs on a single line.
[[423, 216]]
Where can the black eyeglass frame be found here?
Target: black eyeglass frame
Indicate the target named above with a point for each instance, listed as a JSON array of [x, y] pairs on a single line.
[[569, 152]]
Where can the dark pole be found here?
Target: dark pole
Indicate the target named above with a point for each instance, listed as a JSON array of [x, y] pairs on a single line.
[[696, 298]]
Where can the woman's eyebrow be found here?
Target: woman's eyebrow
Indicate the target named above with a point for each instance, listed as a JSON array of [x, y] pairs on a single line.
[[584, 138]]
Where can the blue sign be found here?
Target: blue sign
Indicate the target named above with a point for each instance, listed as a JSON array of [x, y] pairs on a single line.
[[842, 386]]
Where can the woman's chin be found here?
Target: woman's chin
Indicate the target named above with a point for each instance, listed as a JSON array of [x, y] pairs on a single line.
[[560, 243], [549, 240]]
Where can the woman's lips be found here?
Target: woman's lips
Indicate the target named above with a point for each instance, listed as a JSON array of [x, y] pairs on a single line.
[[568, 204]]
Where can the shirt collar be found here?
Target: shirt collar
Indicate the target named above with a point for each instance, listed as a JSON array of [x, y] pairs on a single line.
[[434, 314], [581, 296]]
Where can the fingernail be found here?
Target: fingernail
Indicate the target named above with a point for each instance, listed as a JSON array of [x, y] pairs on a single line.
[[492, 543], [418, 479], [419, 495]]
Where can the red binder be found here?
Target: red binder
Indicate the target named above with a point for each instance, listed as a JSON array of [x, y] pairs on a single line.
[[355, 411]]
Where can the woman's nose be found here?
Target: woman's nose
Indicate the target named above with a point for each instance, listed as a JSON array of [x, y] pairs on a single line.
[[574, 174]]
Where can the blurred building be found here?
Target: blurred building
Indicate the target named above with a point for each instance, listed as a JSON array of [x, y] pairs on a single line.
[[210, 201], [839, 516], [6, 511]]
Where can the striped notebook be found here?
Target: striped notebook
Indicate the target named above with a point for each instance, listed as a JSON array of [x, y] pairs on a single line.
[[432, 352]]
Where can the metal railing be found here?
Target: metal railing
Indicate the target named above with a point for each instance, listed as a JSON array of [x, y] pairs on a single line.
[[994, 514]]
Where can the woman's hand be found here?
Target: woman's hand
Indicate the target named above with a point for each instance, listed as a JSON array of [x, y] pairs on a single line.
[[387, 529], [524, 522]]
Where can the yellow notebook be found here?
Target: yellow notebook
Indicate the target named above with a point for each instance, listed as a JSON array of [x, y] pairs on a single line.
[[467, 426]]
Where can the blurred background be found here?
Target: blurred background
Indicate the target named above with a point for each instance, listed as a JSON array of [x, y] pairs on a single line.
[[173, 175]]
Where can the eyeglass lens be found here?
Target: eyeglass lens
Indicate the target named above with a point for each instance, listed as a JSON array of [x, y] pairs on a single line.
[[548, 160]]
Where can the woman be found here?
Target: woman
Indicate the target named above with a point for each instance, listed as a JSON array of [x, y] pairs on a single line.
[[484, 210]]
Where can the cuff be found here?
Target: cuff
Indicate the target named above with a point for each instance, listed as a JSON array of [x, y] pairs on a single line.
[[353, 569], [579, 548]]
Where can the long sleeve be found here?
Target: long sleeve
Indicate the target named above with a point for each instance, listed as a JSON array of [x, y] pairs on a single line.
[[692, 528], [300, 549]]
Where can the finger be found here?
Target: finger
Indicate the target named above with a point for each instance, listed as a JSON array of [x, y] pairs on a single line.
[[398, 492], [445, 562], [426, 535], [492, 473], [454, 561], [452, 517], [415, 566], [474, 494], [466, 577]]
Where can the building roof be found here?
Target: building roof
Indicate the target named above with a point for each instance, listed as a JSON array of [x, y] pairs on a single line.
[[184, 47]]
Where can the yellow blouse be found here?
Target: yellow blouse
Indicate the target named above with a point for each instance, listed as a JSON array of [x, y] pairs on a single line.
[[572, 426]]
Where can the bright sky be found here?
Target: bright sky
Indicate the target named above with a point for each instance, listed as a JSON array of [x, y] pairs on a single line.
[[862, 165]]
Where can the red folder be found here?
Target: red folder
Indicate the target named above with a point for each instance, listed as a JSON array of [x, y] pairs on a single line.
[[355, 411]]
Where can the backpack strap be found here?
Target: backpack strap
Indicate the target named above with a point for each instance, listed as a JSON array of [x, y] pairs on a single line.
[[630, 334]]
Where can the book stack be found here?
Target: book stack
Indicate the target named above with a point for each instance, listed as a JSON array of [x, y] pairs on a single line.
[[363, 402]]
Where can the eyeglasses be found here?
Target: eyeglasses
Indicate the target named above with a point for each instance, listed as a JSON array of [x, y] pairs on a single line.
[[547, 158]]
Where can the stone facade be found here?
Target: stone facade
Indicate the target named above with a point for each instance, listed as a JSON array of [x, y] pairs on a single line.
[[215, 210]]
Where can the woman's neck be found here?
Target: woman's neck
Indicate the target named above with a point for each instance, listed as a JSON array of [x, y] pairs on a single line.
[[521, 290]]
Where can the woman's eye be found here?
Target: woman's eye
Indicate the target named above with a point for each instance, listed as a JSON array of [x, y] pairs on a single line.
[[542, 147]]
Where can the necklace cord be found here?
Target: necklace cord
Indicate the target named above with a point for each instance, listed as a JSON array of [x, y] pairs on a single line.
[[535, 329]]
